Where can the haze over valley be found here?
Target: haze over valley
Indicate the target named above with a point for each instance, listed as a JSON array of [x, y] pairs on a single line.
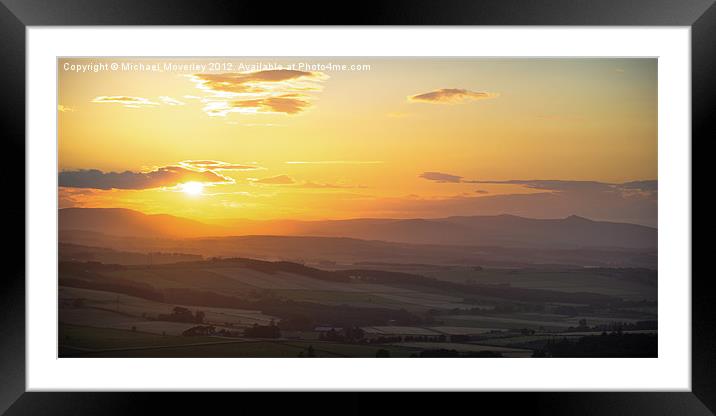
[[376, 207]]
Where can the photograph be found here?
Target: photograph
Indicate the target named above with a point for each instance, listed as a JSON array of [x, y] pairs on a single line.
[[357, 207]]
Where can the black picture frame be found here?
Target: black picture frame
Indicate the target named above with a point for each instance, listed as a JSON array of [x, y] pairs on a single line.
[[16, 15]]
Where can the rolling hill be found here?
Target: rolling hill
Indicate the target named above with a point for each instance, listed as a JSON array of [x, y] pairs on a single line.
[[129, 223], [499, 230]]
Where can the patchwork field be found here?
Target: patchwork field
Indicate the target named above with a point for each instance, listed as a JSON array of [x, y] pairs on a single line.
[[351, 313], [115, 310], [82, 341], [583, 280]]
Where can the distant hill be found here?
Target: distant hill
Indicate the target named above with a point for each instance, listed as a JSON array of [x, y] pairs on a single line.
[[499, 230], [332, 251], [130, 223]]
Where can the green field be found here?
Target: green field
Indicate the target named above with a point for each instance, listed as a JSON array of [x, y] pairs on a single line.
[[85, 341], [107, 309], [85, 337], [584, 280], [411, 316]]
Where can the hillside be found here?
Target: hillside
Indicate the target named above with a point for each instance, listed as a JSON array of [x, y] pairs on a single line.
[[500, 230], [130, 223]]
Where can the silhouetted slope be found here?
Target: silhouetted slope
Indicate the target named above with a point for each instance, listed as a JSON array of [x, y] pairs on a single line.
[[500, 230], [126, 222]]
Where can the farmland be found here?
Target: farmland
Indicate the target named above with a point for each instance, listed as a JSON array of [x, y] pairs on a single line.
[[84, 341], [143, 310]]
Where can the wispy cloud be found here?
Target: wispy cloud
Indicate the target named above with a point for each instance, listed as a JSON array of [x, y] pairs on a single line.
[[451, 96], [441, 177], [261, 92], [216, 165], [65, 109], [170, 101], [288, 180], [319, 185], [552, 185], [125, 100], [274, 180], [335, 162]]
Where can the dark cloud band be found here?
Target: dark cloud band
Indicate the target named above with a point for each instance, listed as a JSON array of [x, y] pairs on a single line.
[[166, 176]]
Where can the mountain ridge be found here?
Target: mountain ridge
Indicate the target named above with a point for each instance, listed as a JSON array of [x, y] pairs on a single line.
[[496, 230], [493, 230]]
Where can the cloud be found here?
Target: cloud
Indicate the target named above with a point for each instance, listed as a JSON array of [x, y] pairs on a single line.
[[216, 165], [550, 185], [125, 100], [166, 176], [441, 177], [318, 185], [275, 180], [288, 180], [65, 109], [335, 162], [286, 104], [280, 91], [582, 187], [556, 185], [481, 191], [170, 101], [451, 96], [257, 82]]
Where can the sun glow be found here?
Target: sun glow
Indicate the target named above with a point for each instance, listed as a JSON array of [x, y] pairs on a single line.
[[192, 188]]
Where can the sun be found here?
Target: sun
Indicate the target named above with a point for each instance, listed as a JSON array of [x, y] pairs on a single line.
[[192, 188]]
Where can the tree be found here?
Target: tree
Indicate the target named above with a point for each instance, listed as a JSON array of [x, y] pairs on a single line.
[[180, 314], [199, 317]]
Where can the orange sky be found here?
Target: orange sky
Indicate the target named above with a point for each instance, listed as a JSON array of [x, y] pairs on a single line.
[[401, 137]]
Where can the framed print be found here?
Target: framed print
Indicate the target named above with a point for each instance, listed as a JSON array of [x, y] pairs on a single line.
[[487, 202]]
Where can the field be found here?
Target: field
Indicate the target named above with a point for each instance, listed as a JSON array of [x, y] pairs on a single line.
[[118, 311], [412, 207], [561, 279], [83, 341], [114, 310]]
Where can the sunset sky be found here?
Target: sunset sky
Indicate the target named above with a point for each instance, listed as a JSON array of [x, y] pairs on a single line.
[[400, 138]]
